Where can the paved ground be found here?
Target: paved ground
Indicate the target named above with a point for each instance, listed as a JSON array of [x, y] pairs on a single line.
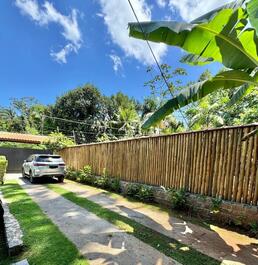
[[227, 246], [97, 239]]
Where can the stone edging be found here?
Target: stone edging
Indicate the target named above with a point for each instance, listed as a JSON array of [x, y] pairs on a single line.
[[229, 212], [12, 228]]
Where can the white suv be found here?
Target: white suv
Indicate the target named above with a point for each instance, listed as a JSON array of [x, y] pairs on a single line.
[[41, 165]]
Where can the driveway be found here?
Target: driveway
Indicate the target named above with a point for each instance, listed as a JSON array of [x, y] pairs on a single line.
[[96, 239]]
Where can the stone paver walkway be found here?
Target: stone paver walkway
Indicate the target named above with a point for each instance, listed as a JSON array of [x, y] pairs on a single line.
[[97, 239], [229, 247]]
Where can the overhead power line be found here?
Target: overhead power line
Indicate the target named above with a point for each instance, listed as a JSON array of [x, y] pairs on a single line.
[[155, 59], [83, 122]]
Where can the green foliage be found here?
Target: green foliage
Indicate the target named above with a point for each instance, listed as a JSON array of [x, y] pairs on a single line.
[[97, 117], [45, 243], [215, 204], [3, 167], [221, 35], [86, 176], [227, 80], [22, 145], [177, 198], [114, 185], [145, 193], [132, 189], [254, 228], [252, 9], [214, 111], [159, 95], [103, 180], [58, 141], [142, 192], [72, 174], [23, 115]]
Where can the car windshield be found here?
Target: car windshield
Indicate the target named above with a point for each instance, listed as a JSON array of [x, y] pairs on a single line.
[[49, 159]]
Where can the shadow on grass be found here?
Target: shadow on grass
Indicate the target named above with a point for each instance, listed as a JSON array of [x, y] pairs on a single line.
[[44, 243]]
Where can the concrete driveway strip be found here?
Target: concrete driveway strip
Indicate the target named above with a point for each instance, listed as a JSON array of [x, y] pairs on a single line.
[[97, 239]]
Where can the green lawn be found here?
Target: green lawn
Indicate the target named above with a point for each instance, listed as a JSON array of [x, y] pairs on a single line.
[[44, 243], [164, 244]]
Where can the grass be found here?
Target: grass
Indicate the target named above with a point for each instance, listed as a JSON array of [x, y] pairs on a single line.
[[170, 247], [44, 242], [186, 216]]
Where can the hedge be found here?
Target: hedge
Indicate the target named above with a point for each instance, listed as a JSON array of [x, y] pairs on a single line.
[[3, 167]]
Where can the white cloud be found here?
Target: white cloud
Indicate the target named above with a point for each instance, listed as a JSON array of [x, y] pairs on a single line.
[[60, 56], [161, 3], [191, 9], [117, 14], [117, 62], [46, 14]]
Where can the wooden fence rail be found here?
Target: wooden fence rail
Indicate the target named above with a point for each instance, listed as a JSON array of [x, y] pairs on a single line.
[[213, 162]]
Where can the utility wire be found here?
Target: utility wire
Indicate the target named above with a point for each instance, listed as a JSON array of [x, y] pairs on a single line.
[[155, 59], [48, 129], [82, 122]]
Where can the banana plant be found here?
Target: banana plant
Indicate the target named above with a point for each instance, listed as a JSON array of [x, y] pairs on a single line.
[[228, 35]]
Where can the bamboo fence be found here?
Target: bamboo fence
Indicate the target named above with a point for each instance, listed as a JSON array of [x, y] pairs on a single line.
[[214, 162]]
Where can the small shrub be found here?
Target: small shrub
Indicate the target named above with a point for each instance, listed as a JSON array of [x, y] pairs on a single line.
[[177, 198], [238, 221], [215, 204], [86, 176], [132, 189], [3, 167], [102, 181], [254, 228], [72, 173], [114, 185], [145, 193]]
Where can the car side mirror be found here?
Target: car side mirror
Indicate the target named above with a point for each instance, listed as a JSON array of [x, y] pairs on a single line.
[[25, 161]]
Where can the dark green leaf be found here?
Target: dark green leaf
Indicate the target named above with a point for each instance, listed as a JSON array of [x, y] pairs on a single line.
[[252, 9], [224, 38], [241, 92], [228, 79], [193, 59]]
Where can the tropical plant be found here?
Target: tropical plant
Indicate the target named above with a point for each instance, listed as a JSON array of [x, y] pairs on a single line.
[[145, 193], [215, 204], [57, 141], [222, 35], [177, 198], [86, 176], [132, 189], [114, 184], [71, 173]]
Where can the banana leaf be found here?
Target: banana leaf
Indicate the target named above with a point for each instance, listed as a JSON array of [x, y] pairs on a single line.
[[252, 10], [224, 37], [227, 79], [208, 16], [194, 59], [243, 91], [239, 94]]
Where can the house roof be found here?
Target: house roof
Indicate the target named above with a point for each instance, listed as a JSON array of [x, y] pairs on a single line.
[[22, 138]]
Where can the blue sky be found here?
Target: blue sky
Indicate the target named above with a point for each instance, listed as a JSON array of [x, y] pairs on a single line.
[[49, 47]]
